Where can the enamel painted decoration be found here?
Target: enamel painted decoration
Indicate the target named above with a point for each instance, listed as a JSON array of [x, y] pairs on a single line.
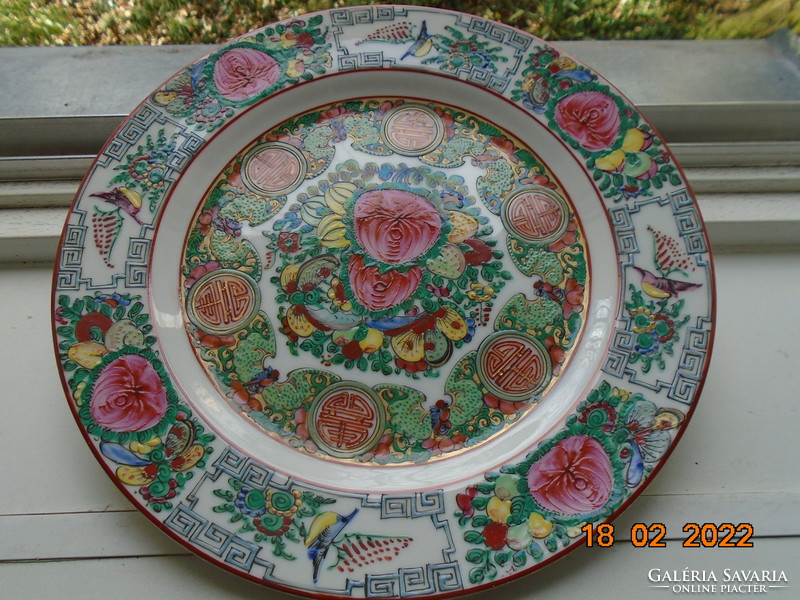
[[383, 302]]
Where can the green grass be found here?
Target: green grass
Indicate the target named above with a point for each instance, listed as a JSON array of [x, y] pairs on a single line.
[[91, 22]]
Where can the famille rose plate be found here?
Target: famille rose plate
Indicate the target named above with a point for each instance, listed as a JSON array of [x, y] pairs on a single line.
[[383, 302]]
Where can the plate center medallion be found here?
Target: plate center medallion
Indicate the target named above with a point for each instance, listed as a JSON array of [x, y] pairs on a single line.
[[384, 280]]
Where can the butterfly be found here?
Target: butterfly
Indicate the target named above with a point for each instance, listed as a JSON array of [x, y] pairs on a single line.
[[649, 438]]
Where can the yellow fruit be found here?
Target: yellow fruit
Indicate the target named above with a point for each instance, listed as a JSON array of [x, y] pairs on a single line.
[[338, 194], [611, 161], [634, 140], [189, 458], [298, 322], [81, 387], [463, 227], [409, 346], [87, 354], [562, 63], [134, 476], [539, 526], [577, 530], [372, 342], [288, 275], [139, 448], [331, 231], [452, 325], [498, 510]]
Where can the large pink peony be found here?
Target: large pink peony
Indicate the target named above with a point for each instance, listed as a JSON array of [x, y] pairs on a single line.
[[379, 291], [128, 395], [241, 73], [591, 118], [395, 226], [574, 477]]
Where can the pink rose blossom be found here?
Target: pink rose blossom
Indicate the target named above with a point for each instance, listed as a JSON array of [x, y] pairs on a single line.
[[395, 226], [591, 118], [128, 395], [379, 291], [575, 476], [242, 73]]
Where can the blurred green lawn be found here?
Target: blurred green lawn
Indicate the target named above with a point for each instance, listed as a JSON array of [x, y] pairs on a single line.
[[95, 22]]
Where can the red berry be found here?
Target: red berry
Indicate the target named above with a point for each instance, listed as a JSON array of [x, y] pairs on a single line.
[[352, 350], [494, 534]]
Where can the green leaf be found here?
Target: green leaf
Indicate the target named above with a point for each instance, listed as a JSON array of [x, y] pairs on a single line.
[[476, 576], [475, 556], [224, 494], [481, 521], [485, 488], [473, 537], [520, 559], [535, 550]]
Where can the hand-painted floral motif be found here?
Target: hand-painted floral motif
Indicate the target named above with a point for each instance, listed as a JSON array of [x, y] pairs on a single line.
[[395, 226], [388, 267], [145, 170], [128, 395], [547, 73], [575, 477], [621, 152], [209, 92], [244, 71], [590, 118], [654, 320], [293, 523], [123, 396], [457, 52]]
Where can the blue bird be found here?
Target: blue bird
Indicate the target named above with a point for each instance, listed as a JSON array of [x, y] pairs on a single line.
[[422, 45], [323, 531]]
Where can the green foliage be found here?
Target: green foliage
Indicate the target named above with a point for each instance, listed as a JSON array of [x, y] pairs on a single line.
[[18, 28], [90, 22]]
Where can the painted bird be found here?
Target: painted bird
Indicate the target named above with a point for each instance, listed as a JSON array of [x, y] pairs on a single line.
[[127, 199], [661, 287], [323, 531], [422, 45]]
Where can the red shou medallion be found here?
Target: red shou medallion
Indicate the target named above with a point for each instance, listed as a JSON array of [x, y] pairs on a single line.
[[536, 214], [514, 366], [274, 169], [413, 130], [223, 301], [346, 420]]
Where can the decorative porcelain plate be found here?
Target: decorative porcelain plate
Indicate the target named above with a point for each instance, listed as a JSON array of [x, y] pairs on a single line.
[[383, 302]]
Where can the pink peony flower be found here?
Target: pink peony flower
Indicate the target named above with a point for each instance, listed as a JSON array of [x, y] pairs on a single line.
[[128, 395], [574, 477], [241, 73], [379, 291], [591, 118], [395, 226]]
